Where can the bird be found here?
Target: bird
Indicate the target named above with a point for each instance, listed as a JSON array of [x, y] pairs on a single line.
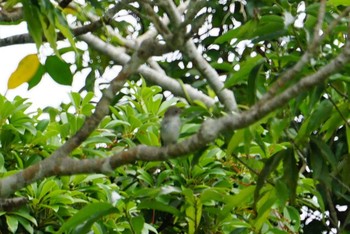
[[170, 126]]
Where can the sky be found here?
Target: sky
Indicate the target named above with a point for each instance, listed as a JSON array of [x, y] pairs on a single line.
[[47, 92]]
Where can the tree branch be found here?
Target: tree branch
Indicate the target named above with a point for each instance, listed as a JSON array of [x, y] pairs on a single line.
[[51, 164], [92, 26], [26, 38], [225, 96], [119, 56], [16, 15], [64, 3], [312, 49], [155, 74], [58, 164], [10, 204]]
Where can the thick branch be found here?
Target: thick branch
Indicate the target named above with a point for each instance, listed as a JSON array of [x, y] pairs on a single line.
[[26, 38], [209, 131], [312, 49], [225, 96], [10, 204], [119, 56], [155, 74], [95, 24], [122, 58], [14, 16], [47, 166]]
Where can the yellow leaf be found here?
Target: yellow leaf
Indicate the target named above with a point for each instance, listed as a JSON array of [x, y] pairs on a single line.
[[69, 11], [25, 71]]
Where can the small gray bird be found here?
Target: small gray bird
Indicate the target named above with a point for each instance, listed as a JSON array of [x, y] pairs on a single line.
[[170, 126]]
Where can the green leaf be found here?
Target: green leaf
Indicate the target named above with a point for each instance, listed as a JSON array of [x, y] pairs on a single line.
[[116, 123], [314, 100], [326, 152], [335, 121], [277, 127], [259, 141], [270, 165], [345, 173], [252, 82], [290, 174], [337, 3], [148, 134], [348, 137], [282, 192], [241, 199], [246, 67], [87, 99], [153, 204], [145, 176], [61, 24], [49, 32], [137, 223], [2, 163], [293, 215], [246, 31], [318, 164], [37, 77], [27, 225], [90, 81], [76, 100], [264, 207], [25, 216], [193, 211], [320, 114], [212, 194], [31, 14], [235, 141], [12, 223], [269, 27], [224, 66], [42, 125], [82, 221], [95, 4], [58, 70], [46, 187]]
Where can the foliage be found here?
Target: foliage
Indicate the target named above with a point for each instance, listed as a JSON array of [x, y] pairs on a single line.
[[285, 173]]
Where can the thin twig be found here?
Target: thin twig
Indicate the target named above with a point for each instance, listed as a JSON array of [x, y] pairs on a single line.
[[333, 213], [225, 96], [160, 26], [335, 22], [339, 111], [345, 186], [251, 169], [26, 37], [208, 132], [312, 49], [50, 165], [15, 15], [317, 36]]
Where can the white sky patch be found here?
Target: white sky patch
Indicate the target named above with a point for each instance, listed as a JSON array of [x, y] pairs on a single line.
[[299, 22], [341, 208], [47, 92], [288, 19]]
